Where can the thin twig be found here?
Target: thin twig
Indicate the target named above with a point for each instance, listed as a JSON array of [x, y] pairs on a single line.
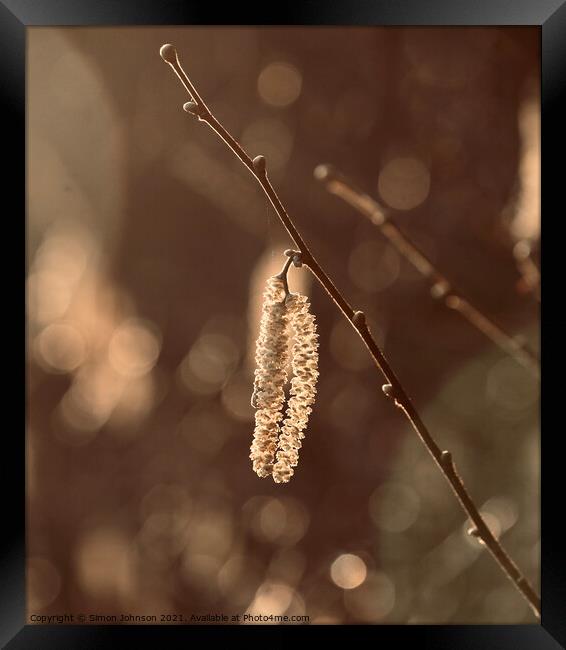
[[293, 257], [393, 388], [440, 288]]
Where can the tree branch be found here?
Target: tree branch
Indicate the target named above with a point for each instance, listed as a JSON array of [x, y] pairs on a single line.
[[393, 388], [441, 288]]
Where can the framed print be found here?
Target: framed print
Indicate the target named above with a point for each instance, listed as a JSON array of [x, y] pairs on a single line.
[[282, 322]]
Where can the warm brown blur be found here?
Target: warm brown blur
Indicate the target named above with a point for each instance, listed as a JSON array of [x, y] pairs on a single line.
[[148, 250]]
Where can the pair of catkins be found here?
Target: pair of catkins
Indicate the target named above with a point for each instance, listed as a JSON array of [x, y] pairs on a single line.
[[287, 333]]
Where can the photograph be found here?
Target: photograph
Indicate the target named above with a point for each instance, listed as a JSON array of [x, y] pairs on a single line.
[[283, 298]]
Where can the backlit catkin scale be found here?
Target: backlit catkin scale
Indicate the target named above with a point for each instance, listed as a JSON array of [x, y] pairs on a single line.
[[284, 315]]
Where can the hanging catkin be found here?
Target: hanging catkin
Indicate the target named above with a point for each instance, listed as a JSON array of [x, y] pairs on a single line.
[[270, 376], [303, 386], [282, 318]]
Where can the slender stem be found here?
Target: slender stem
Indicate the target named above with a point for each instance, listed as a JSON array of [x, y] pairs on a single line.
[[283, 273], [393, 389], [441, 288]]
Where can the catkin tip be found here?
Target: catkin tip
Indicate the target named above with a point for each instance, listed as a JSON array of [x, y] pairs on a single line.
[[168, 53], [282, 473]]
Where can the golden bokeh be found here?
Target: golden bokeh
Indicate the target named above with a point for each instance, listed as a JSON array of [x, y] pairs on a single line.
[[105, 564], [404, 182], [348, 571], [279, 84], [394, 507], [373, 600]]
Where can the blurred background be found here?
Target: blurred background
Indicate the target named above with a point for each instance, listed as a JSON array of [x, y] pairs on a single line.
[[148, 249]]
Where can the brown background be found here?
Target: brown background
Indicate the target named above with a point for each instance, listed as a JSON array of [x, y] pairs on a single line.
[[148, 247]]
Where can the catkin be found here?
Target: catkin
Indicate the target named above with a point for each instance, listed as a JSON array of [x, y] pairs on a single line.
[[303, 386], [275, 446], [272, 354]]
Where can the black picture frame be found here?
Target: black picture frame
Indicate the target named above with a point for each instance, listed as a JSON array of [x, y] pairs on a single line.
[[15, 17]]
